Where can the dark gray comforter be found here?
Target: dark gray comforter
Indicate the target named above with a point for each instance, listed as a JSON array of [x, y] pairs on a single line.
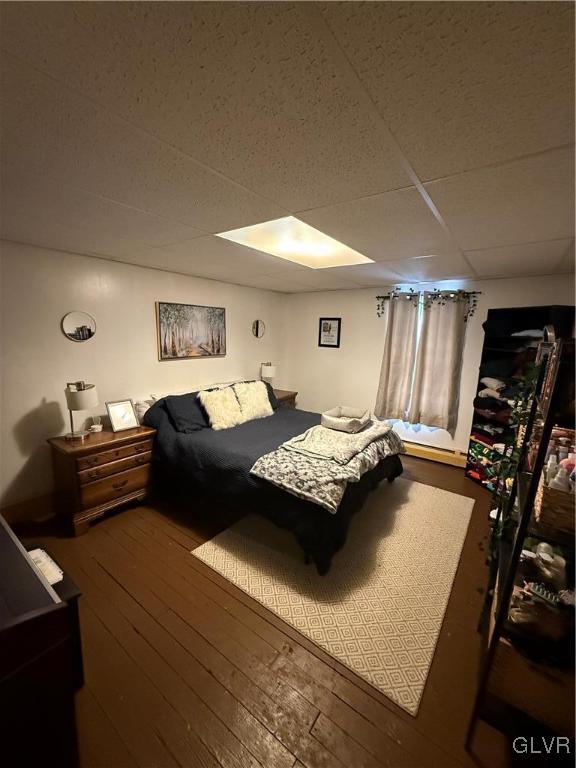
[[223, 458], [216, 464]]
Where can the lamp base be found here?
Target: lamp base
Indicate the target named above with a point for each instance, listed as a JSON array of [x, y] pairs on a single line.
[[76, 435]]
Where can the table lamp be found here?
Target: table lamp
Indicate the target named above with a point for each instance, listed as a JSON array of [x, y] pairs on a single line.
[[267, 371], [79, 397]]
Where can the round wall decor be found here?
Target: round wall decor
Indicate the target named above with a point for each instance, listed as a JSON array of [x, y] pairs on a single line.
[[78, 326], [258, 328]]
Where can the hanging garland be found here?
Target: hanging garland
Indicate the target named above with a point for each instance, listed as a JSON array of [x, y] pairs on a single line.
[[395, 294], [429, 297]]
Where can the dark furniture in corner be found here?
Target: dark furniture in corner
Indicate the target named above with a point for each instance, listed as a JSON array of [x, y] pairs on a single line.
[[506, 358], [286, 398], [527, 677], [103, 472], [40, 661]]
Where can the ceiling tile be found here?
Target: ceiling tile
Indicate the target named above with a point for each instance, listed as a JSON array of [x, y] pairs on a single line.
[[367, 275], [106, 105], [324, 280], [281, 268], [34, 210], [191, 261], [393, 225], [223, 253], [463, 85], [434, 268], [196, 265], [524, 259], [528, 200], [50, 131], [247, 88], [269, 283]]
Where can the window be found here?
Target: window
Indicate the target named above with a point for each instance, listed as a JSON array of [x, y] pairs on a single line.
[[420, 375]]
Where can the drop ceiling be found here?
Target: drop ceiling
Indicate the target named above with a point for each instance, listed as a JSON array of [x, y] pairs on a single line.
[[434, 138]]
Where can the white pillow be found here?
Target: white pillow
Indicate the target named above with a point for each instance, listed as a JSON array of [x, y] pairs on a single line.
[[222, 408], [253, 399]]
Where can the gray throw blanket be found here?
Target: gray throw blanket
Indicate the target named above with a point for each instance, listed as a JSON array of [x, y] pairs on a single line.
[[318, 464]]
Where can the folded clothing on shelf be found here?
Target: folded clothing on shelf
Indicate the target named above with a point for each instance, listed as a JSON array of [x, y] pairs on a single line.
[[492, 383], [503, 417], [491, 403], [489, 429], [489, 393], [487, 440], [511, 392]]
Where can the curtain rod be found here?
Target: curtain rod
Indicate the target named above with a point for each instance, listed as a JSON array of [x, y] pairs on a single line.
[[435, 296]]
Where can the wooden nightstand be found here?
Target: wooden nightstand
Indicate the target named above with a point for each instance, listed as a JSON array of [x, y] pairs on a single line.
[[286, 399], [103, 472]]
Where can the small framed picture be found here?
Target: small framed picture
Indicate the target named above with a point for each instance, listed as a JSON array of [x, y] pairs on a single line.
[[329, 331], [122, 415]]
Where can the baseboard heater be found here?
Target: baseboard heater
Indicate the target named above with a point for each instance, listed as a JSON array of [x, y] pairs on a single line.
[[442, 455]]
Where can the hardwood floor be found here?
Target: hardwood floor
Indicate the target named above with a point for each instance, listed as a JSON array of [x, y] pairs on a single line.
[[183, 669]]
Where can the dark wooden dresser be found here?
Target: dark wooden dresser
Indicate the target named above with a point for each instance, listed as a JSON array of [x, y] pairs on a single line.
[[286, 398], [40, 662], [103, 472]]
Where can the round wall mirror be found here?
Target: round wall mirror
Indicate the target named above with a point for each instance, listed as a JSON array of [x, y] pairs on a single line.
[[78, 326], [258, 328]]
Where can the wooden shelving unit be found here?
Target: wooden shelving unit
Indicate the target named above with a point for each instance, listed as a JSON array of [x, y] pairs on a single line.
[[526, 669], [506, 357], [541, 692]]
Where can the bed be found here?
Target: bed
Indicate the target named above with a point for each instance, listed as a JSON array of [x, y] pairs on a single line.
[[215, 465]]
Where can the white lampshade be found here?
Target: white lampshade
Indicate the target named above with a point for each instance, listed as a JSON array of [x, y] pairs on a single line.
[[268, 371], [82, 399]]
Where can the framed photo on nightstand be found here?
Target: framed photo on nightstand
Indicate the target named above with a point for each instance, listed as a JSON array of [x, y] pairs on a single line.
[[122, 415], [329, 331]]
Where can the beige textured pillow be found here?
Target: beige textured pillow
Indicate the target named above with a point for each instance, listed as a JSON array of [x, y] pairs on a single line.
[[222, 408], [254, 400]]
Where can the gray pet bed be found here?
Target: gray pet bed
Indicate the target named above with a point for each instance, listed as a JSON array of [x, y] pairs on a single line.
[[345, 419]]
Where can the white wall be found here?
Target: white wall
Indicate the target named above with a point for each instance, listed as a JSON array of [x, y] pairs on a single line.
[[349, 375], [39, 286]]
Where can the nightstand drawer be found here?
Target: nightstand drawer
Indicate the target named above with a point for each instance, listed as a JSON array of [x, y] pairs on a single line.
[[96, 459], [98, 473], [114, 487]]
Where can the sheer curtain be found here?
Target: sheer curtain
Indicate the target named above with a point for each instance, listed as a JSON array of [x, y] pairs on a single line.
[[397, 370], [434, 397]]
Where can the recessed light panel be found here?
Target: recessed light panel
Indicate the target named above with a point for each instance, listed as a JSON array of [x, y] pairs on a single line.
[[293, 240]]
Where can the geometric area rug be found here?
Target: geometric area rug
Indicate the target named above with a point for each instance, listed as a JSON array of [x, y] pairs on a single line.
[[380, 608]]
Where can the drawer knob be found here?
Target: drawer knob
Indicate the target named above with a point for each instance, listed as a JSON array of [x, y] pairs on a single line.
[[140, 459], [138, 448], [94, 475], [119, 485]]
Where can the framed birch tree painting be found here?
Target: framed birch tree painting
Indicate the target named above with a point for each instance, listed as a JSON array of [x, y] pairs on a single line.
[[188, 330]]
